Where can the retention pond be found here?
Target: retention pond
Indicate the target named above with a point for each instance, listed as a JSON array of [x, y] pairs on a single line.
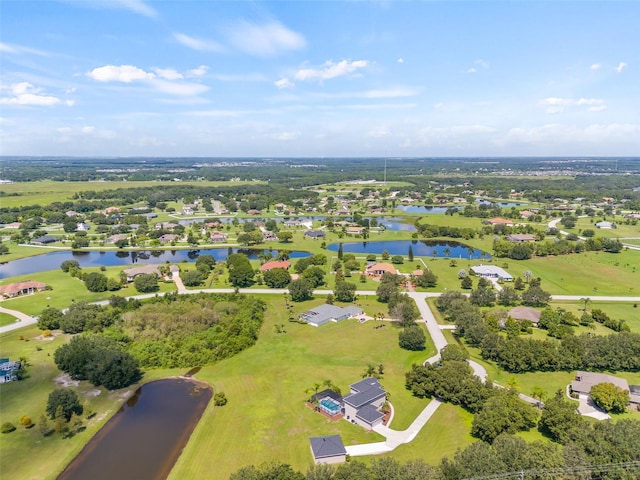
[[145, 438]]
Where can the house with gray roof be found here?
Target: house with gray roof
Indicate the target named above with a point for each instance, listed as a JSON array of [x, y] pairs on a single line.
[[132, 273], [586, 380], [329, 313], [328, 449], [362, 405]]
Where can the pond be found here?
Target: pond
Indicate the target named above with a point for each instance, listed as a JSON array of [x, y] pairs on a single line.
[[424, 248], [52, 261], [425, 209], [146, 436]]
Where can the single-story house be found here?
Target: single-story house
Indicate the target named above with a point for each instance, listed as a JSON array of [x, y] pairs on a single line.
[[265, 267], [329, 313], [292, 223], [354, 230], [315, 234], [45, 240], [268, 236], [14, 225], [380, 269], [165, 226], [362, 405], [605, 225], [26, 287], [500, 221], [8, 370], [525, 313], [328, 449], [168, 237], [521, 237], [526, 213], [492, 271], [218, 237], [586, 380], [117, 237], [83, 227], [132, 273], [253, 212]]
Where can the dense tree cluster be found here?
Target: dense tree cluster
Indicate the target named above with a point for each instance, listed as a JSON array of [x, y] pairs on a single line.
[[241, 272], [98, 359], [412, 337], [616, 352]]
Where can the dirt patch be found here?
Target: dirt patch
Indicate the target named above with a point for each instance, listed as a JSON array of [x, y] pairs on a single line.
[[50, 337], [65, 380]]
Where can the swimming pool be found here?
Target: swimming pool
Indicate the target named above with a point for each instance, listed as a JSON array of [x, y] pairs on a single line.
[[329, 406]]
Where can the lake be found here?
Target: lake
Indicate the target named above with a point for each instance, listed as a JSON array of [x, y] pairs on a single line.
[[52, 261], [425, 248], [146, 436]]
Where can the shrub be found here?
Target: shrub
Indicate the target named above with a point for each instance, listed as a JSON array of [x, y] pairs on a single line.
[[219, 399], [25, 421], [7, 427]]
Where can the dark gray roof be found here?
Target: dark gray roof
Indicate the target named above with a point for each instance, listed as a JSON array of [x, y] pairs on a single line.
[[329, 446], [369, 414], [45, 239], [360, 399], [365, 384], [314, 233], [327, 393]]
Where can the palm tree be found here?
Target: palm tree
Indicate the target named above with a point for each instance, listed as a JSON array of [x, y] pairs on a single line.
[[528, 275], [447, 252], [539, 394], [586, 301]]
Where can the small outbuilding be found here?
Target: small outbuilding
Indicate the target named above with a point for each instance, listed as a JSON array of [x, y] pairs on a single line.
[[328, 449]]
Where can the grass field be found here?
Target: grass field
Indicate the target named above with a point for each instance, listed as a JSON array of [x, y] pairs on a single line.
[[266, 418]]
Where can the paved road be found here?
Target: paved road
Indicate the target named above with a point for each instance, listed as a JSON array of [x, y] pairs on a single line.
[[22, 320]]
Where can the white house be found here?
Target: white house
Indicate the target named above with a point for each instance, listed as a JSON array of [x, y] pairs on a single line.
[[492, 271]]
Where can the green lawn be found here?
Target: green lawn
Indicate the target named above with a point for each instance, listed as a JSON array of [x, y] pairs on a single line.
[[266, 418], [624, 226], [6, 319]]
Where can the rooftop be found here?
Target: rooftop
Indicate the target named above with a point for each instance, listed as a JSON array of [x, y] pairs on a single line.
[[328, 446]]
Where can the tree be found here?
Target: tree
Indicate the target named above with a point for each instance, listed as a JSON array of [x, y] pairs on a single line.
[[240, 271], [466, 283], [315, 276], [610, 397], [585, 301], [68, 265], [560, 419], [534, 296], [205, 263], [65, 400], [95, 282], [219, 399], [7, 427], [428, 279], [301, 290], [340, 252], [454, 352], [43, 426], [146, 283], [25, 421], [508, 296], [49, 319], [284, 236], [412, 338], [345, 291], [483, 296], [277, 278], [192, 278], [410, 255], [504, 412]]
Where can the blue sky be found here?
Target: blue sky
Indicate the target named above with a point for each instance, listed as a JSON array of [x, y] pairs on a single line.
[[316, 78]]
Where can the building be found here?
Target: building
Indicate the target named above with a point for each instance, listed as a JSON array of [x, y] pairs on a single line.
[[362, 405], [354, 230], [27, 287], [605, 225], [45, 240], [328, 449], [380, 269], [8, 370], [83, 227], [500, 221], [491, 271], [326, 313], [168, 237], [315, 234], [525, 313], [521, 237], [586, 380], [265, 267], [218, 237], [132, 273]]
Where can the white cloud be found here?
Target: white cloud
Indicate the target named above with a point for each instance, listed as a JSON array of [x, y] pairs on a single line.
[[69, 103], [179, 88], [330, 70], [264, 40], [558, 105], [20, 49], [285, 136], [168, 74], [24, 93], [88, 129], [558, 135], [400, 60], [198, 72], [595, 66], [284, 83], [121, 73], [198, 44], [620, 67], [160, 82], [483, 63], [137, 6], [380, 132], [439, 106], [471, 70]]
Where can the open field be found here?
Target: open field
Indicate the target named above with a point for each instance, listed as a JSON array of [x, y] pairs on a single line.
[[624, 226], [46, 192], [266, 418]]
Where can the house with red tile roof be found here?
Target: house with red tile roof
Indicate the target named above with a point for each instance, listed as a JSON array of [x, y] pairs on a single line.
[[275, 264]]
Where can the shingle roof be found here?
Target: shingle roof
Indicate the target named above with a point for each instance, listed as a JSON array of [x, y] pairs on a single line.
[[369, 414], [328, 446], [365, 384]]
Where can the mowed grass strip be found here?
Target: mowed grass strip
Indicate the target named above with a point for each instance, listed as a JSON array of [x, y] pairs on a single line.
[[266, 417]]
